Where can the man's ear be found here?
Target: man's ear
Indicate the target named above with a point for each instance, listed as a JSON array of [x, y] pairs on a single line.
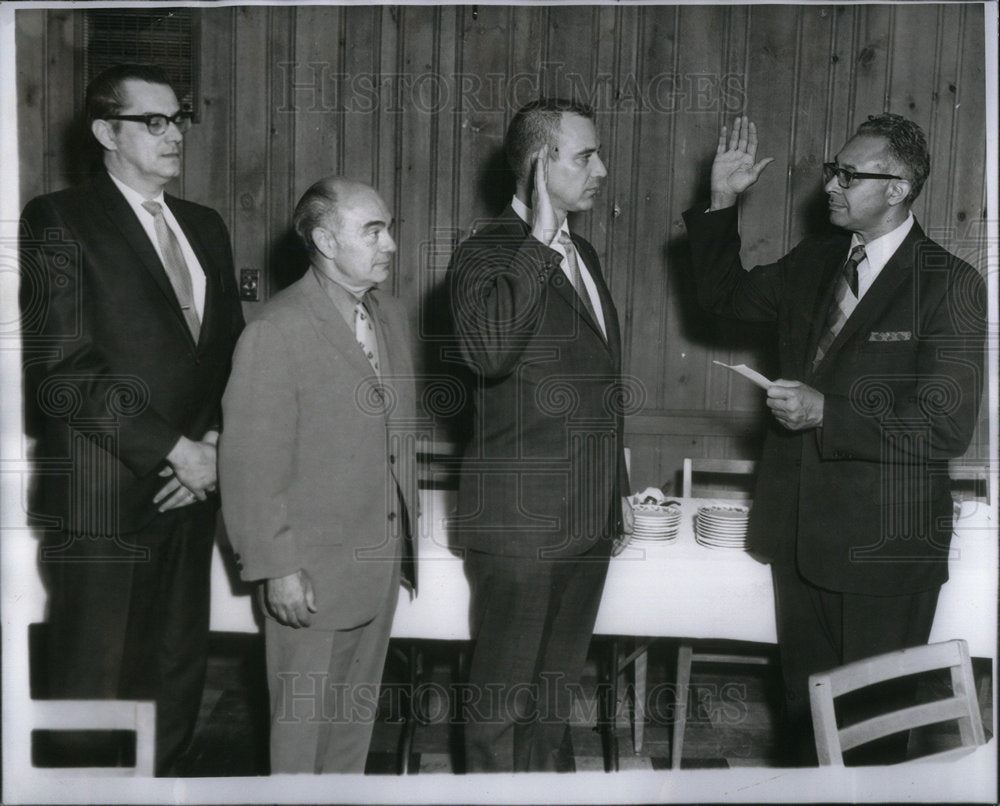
[[898, 190], [104, 133], [324, 241]]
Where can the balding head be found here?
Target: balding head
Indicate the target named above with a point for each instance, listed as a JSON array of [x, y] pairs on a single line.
[[322, 203]]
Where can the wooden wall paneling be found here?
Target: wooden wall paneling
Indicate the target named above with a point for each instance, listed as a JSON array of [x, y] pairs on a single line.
[[936, 194], [358, 75], [419, 120], [690, 380], [283, 255], [616, 213], [844, 34], [32, 93], [208, 145], [438, 237], [654, 345], [807, 209], [913, 81], [250, 156], [969, 144], [64, 157], [500, 46], [313, 96], [874, 25]]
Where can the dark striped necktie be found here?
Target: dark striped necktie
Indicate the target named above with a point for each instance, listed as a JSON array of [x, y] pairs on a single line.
[[845, 298]]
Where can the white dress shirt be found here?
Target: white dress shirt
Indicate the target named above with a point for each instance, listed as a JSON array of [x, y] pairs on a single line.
[[877, 253], [135, 200]]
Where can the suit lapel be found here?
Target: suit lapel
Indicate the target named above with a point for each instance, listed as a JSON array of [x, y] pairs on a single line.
[[881, 294], [331, 324], [124, 219], [593, 264]]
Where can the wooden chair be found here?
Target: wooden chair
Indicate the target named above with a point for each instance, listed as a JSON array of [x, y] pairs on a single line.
[[100, 715], [686, 655], [962, 706]]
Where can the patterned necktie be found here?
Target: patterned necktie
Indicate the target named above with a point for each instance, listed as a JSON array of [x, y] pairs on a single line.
[[576, 278], [365, 334], [175, 265], [845, 298]]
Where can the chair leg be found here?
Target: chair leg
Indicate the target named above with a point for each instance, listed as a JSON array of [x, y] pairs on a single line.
[[607, 708], [683, 678], [639, 701]]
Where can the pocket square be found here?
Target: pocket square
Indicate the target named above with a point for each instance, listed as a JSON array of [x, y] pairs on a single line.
[[889, 335]]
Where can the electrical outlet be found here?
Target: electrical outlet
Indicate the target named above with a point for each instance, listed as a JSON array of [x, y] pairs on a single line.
[[250, 285]]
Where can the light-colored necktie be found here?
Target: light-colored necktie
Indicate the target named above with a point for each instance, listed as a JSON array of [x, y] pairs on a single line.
[[365, 334], [576, 277], [175, 265], [845, 299]]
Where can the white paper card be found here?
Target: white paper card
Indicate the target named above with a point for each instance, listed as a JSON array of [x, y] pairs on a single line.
[[749, 374]]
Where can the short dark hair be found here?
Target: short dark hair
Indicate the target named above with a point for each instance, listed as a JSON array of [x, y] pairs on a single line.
[[105, 93], [907, 144], [534, 125], [318, 202]]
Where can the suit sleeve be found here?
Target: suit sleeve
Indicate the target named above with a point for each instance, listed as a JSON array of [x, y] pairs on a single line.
[[932, 414], [722, 285], [497, 295], [64, 362], [256, 453]]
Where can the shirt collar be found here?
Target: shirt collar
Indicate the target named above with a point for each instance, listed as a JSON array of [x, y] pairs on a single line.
[[878, 251], [133, 196]]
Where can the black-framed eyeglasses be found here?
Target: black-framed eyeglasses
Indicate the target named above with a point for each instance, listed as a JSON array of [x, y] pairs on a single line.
[[845, 177], [158, 124]]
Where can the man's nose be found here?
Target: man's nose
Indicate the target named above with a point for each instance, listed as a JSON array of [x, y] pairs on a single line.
[[600, 169], [388, 244]]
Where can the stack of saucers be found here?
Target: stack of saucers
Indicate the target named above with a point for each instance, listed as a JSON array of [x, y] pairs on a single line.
[[655, 522], [720, 526]]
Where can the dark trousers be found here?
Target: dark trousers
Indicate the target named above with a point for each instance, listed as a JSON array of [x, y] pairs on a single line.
[[819, 630], [129, 618], [532, 620]]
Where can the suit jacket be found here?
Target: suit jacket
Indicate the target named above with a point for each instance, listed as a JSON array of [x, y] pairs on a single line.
[[113, 376], [317, 456], [864, 499], [545, 467]]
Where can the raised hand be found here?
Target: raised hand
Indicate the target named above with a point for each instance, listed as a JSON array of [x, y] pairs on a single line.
[[734, 168], [546, 223]]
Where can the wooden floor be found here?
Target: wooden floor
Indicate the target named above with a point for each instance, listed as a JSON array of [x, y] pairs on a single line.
[[731, 709]]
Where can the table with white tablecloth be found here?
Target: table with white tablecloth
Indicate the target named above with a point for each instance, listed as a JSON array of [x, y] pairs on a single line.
[[679, 589]]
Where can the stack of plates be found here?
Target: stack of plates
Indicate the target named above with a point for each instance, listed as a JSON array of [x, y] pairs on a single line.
[[722, 527], [656, 523]]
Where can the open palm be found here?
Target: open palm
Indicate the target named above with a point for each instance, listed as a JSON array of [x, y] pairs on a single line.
[[734, 168]]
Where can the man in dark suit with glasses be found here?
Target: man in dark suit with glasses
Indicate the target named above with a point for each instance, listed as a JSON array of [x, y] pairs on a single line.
[[130, 316], [880, 341]]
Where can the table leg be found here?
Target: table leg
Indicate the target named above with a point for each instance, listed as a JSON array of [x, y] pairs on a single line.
[[683, 680], [639, 701]]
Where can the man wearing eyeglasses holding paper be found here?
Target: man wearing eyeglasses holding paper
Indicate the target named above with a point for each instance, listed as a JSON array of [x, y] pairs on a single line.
[[880, 343], [130, 314]]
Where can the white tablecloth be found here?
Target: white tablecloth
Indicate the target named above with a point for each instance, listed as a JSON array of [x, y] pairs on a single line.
[[678, 589]]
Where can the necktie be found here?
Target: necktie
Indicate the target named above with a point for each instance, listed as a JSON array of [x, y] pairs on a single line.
[[175, 265], [576, 278], [365, 334], [845, 298]]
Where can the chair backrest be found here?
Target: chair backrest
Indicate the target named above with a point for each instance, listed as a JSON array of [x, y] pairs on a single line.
[[961, 706], [715, 467]]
